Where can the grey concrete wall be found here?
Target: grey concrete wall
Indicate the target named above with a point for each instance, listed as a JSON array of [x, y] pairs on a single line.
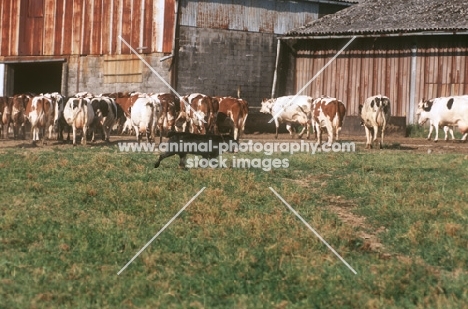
[[216, 62], [85, 73]]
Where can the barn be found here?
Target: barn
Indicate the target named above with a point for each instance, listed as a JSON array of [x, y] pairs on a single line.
[[209, 46], [405, 49]]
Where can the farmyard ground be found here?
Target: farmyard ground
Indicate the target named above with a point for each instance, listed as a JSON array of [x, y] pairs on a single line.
[[71, 218]]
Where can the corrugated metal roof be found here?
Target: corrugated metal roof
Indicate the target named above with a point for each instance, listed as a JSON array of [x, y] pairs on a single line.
[[384, 16], [269, 16]]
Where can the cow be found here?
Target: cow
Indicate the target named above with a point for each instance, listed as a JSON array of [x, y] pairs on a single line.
[[328, 113], [145, 114], [79, 114], [60, 124], [182, 118], [170, 107], [5, 115], [199, 112], [107, 114], [445, 111], [291, 110], [125, 100], [375, 113], [208, 146], [40, 112], [231, 115], [18, 114]]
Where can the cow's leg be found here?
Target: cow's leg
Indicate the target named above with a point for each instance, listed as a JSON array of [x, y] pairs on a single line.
[[84, 138], [304, 128], [376, 134], [368, 137], [44, 135], [148, 134], [74, 135], [382, 136], [5, 130], [436, 128], [23, 131], [290, 129], [308, 130], [103, 132], [318, 132], [331, 133], [69, 130], [464, 137], [107, 130], [33, 134], [451, 134], [331, 136], [430, 132], [236, 133]]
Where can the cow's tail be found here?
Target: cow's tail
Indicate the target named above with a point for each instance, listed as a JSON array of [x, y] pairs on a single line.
[[149, 118], [381, 114]]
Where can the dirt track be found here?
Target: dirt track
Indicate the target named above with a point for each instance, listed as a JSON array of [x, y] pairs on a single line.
[[397, 143]]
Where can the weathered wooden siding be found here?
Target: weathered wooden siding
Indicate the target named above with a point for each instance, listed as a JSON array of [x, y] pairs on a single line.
[[266, 16], [373, 66], [84, 27]]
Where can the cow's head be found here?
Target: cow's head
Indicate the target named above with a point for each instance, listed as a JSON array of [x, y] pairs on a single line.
[[267, 106], [424, 108]]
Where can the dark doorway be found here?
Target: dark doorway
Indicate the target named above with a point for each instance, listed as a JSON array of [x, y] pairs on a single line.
[[37, 77]]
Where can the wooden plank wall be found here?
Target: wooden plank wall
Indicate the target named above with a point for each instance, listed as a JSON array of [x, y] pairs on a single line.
[[83, 27], [373, 66]]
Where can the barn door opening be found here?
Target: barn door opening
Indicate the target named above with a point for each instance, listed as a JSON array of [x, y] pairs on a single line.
[[34, 77]]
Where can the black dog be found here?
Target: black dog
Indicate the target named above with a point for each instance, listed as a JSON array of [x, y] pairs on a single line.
[[208, 146]]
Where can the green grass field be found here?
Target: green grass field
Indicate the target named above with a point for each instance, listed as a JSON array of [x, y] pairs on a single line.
[[72, 218]]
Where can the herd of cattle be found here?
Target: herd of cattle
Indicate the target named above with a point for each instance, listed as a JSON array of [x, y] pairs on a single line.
[[146, 114], [152, 114]]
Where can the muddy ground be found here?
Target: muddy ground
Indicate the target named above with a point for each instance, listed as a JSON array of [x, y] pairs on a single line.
[[391, 142]]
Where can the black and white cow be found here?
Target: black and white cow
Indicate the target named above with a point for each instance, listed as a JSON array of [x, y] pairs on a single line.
[[290, 110], [107, 114], [375, 113], [445, 111]]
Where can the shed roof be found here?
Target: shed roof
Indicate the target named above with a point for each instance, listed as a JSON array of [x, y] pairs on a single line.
[[390, 16]]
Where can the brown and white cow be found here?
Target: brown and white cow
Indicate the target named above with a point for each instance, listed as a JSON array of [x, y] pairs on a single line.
[[18, 114], [290, 110], [375, 113], [198, 112], [40, 112], [232, 115], [125, 100], [328, 113], [445, 111], [170, 107], [79, 114], [5, 115]]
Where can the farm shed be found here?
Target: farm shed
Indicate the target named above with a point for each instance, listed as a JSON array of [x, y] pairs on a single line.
[[73, 45], [405, 49], [226, 44], [210, 46]]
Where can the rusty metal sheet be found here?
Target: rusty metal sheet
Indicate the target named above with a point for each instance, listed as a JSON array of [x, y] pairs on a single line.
[[248, 15], [72, 27], [169, 23]]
